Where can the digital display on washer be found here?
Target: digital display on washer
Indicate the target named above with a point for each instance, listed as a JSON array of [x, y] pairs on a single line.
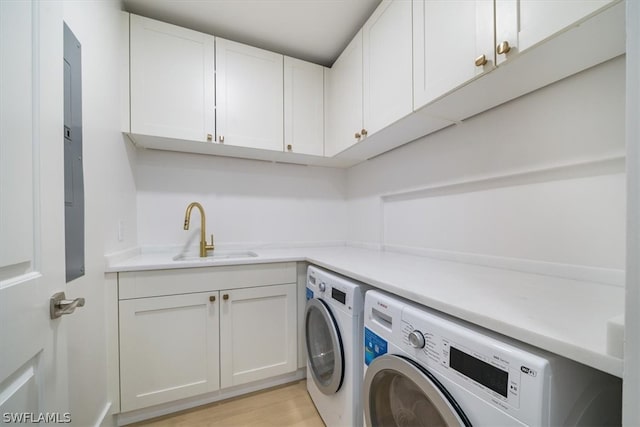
[[482, 372], [338, 295]]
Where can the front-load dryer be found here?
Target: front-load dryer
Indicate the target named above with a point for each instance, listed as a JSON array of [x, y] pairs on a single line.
[[333, 334], [424, 368]]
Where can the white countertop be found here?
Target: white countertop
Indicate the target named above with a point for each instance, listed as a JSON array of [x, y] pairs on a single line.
[[563, 316]]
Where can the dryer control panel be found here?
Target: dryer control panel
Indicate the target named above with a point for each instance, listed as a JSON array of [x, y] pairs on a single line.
[[338, 292]]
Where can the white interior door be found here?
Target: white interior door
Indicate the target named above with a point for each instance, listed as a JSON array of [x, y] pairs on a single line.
[[33, 371]]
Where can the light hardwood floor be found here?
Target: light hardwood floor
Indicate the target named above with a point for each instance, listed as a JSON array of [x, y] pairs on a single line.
[[288, 405]]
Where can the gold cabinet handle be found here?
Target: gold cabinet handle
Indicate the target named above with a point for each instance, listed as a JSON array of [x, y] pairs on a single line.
[[225, 297], [364, 132], [209, 137], [357, 135], [289, 147], [481, 60], [212, 298], [221, 139], [503, 47]]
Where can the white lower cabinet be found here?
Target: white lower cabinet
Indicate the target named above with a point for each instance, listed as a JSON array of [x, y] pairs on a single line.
[[169, 348], [189, 332], [256, 330]]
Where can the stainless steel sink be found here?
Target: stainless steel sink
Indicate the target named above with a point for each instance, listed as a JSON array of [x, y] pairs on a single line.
[[216, 255]]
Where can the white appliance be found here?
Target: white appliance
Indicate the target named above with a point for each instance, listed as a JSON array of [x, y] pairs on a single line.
[[423, 367], [333, 334]]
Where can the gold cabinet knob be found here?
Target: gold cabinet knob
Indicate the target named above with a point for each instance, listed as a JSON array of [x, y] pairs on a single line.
[[357, 135], [221, 139], [481, 60], [212, 298], [364, 132], [225, 297], [503, 47], [209, 137], [289, 147]]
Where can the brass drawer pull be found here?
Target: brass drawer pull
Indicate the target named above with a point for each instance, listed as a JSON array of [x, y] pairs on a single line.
[[503, 47], [481, 60]]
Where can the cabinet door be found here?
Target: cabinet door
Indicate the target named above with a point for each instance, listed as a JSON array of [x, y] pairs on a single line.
[[387, 61], [303, 107], [448, 37], [344, 99], [249, 92], [168, 348], [172, 81], [524, 23], [258, 335]]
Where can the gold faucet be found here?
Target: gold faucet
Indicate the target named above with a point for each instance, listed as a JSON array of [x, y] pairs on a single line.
[[204, 247]]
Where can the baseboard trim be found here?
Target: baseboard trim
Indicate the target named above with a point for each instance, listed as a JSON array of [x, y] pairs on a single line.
[[204, 399]]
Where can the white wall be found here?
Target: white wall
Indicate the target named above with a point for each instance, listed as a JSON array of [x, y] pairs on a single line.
[[631, 378], [246, 202], [109, 168], [529, 179]]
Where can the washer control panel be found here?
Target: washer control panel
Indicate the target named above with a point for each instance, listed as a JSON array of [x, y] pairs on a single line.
[[490, 369]]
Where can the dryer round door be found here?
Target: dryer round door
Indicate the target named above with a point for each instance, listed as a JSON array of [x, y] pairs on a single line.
[[325, 354], [399, 392]]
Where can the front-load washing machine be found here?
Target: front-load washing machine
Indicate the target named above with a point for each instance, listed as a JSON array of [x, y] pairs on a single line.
[[424, 368], [333, 333]]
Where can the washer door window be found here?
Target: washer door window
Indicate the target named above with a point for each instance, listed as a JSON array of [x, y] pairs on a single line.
[[399, 392], [324, 347]]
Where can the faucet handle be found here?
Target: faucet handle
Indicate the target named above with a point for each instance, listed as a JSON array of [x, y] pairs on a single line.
[[212, 245]]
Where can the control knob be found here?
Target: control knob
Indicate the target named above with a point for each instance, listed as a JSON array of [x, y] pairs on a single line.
[[322, 286], [416, 339]]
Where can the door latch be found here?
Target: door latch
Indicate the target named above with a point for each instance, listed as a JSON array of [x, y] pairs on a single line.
[[59, 305]]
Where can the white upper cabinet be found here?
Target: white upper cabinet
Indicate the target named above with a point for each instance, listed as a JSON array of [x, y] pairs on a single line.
[[343, 121], [172, 81], [452, 44], [370, 85], [387, 65], [303, 107], [249, 95], [523, 23], [413, 68]]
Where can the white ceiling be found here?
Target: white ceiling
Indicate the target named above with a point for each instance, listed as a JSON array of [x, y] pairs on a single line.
[[313, 30]]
